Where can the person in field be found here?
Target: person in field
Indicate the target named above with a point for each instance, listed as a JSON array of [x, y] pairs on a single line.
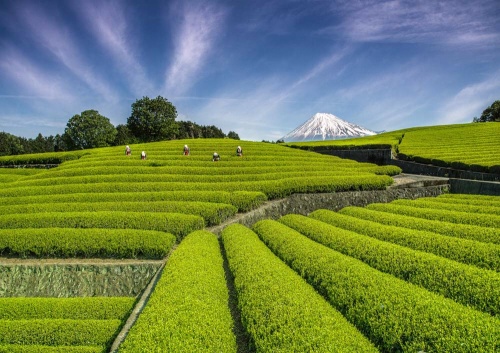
[[239, 151], [216, 157], [128, 151], [186, 150], [143, 155]]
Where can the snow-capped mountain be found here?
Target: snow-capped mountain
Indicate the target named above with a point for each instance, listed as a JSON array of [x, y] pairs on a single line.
[[324, 126]]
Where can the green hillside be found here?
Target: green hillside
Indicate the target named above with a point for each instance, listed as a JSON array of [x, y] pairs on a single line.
[[463, 146]]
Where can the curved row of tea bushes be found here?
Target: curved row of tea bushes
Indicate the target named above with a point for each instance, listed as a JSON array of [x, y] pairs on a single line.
[[175, 223], [183, 178], [87, 308], [396, 316], [85, 243], [279, 310], [212, 213], [462, 201], [188, 310], [41, 158], [243, 200], [478, 219], [59, 332], [456, 207], [470, 197], [465, 284], [222, 165], [207, 171], [272, 188], [17, 348], [467, 251], [445, 228]]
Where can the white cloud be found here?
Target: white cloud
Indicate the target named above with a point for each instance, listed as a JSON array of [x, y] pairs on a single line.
[[456, 22], [109, 25], [39, 84], [470, 101], [199, 28], [57, 39], [261, 108]]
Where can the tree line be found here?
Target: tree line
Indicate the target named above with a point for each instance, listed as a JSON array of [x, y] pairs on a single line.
[[150, 120]]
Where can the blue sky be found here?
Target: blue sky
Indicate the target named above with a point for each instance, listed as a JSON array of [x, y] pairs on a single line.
[[260, 68]]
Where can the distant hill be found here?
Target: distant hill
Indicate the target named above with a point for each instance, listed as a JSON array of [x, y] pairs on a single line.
[[324, 126]]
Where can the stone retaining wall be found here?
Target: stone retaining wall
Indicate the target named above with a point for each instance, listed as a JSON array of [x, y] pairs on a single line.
[[75, 280]]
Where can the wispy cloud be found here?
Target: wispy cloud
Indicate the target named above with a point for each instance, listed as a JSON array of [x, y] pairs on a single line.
[[37, 83], [199, 28], [457, 22], [109, 25], [470, 101], [57, 39], [258, 104]]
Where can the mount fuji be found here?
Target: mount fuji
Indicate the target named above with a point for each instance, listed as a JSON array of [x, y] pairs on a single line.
[[324, 126]]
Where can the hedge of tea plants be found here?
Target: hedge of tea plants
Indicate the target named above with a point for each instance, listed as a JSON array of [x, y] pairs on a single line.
[[188, 311], [395, 315]]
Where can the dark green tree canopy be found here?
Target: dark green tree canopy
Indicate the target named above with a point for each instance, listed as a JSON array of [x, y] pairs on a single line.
[[89, 130], [153, 119], [233, 135], [492, 113]]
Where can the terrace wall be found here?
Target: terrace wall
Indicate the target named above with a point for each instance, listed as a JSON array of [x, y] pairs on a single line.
[[384, 157], [75, 279]]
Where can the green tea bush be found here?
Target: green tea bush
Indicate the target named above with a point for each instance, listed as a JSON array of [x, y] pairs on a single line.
[[243, 200], [58, 332], [465, 284], [212, 213], [188, 311], [85, 243], [87, 308], [489, 254], [17, 348], [175, 223], [478, 219], [455, 207], [280, 311], [396, 316]]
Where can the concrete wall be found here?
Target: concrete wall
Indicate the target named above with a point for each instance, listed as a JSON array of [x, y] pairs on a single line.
[[377, 156], [75, 280], [427, 169], [462, 186]]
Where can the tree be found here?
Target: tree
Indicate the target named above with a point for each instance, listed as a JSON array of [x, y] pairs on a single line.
[[492, 113], [233, 135], [10, 144], [89, 130], [153, 119], [212, 131], [124, 136], [189, 130]]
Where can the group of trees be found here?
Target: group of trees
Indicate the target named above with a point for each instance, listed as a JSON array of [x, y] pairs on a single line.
[[150, 120], [492, 113]]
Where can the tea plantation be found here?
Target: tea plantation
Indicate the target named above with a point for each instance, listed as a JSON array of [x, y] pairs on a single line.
[[409, 276]]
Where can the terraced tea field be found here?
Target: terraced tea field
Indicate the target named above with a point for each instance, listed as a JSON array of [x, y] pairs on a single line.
[[101, 204], [409, 276], [473, 146]]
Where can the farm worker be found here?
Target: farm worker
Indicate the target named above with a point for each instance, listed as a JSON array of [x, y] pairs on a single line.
[[216, 157], [239, 151], [186, 150], [128, 151], [143, 155]]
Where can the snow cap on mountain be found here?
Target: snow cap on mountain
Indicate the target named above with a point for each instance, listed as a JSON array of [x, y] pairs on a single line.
[[324, 126]]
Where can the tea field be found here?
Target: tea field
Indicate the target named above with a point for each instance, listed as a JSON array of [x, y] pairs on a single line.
[[409, 276], [100, 203], [473, 146]]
